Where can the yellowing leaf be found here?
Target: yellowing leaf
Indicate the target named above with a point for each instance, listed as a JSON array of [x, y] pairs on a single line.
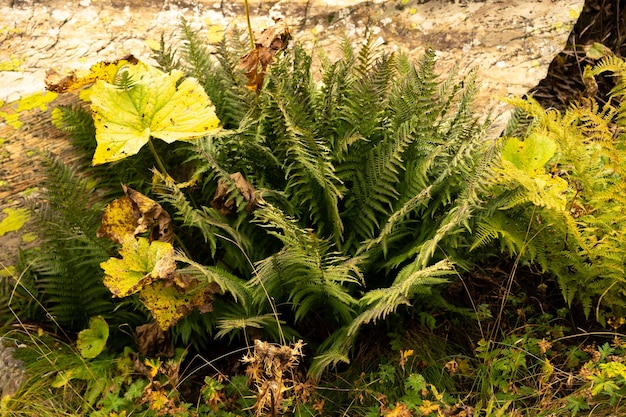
[[524, 162], [61, 83], [142, 263], [91, 341], [14, 220], [531, 154], [154, 365], [134, 214], [168, 304], [152, 105], [597, 51], [400, 410], [118, 220], [428, 407]]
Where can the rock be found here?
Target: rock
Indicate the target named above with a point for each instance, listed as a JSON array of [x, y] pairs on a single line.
[[12, 371], [511, 42]]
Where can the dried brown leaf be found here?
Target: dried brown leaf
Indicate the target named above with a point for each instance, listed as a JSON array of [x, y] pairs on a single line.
[[273, 39], [152, 341], [226, 205]]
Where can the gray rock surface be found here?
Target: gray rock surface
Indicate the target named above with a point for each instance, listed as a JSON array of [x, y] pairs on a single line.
[[511, 42], [11, 370]]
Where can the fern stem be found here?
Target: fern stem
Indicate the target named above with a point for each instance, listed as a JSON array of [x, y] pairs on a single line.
[[250, 34], [157, 159]]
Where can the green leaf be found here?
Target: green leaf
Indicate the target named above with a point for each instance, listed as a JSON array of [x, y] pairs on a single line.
[[597, 51], [153, 105], [531, 154], [416, 383], [65, 376], [91, 341], [142, 262]]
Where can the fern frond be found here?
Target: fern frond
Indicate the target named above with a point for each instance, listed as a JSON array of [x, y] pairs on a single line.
[[217, 69], [229, 326], [214, 226], [123, 80], [366, 98], [309, 170], [165, 56], [374, 184], [19, 294], [194, 53], [226, 85], [513, 237], [335, 350], [306, 270], [67, 268], [616, 65], [227, 282], [77, 122], [411, 280]]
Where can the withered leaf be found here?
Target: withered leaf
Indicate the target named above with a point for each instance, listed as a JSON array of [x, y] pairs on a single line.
[[273, 39], [153, 341], [118, 220], [74, 80], [152, 217], [226, 205], [135, 214]]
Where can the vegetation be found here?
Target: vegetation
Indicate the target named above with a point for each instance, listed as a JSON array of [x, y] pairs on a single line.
[[341, 242]]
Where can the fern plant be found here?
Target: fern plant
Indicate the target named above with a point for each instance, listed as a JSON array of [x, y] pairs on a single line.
[[63, 273], [565, 212], [365, 180], [337, 202]]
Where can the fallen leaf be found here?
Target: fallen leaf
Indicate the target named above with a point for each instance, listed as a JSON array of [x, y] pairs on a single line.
[[152, 341], [267, 44], [226, 205], [15, 219], [135, 214]]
